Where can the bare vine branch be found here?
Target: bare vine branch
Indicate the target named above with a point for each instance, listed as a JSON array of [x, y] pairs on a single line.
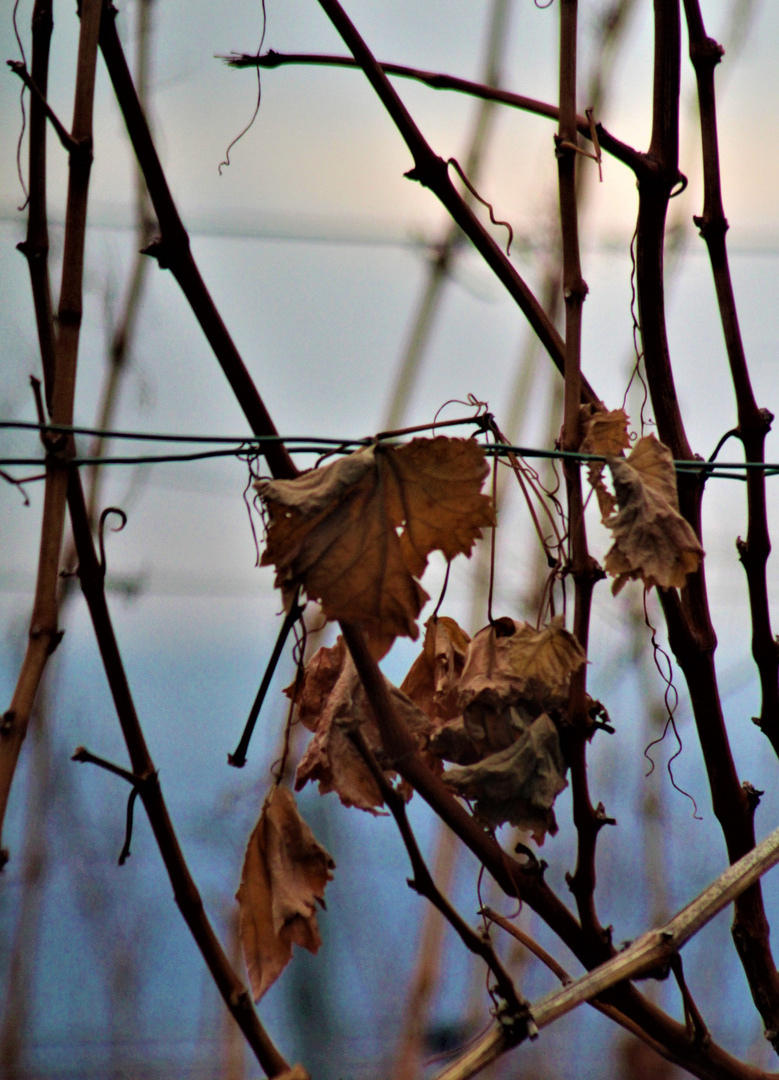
[[44, 635], [753, 422]]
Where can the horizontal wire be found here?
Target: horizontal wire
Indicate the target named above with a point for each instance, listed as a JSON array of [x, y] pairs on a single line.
[[251, 446], [155, 436]]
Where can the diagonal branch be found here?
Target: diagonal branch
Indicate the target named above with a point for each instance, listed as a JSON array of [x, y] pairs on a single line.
[[651, 952], [517, 1015], [233, 991], [172, 251], [432, 172], [438, 81]]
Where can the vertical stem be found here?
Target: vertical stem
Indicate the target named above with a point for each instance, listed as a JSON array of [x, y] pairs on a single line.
[[36, 245], [690, 630], [586, 819], [655, 188], [124, 326], [44, 635], [753, 422]]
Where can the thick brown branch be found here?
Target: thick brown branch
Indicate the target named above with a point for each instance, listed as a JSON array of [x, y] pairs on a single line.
[[690, 630], [44, 635], [753, 422]]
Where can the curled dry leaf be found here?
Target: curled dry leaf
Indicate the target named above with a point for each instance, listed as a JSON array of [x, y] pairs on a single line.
[[331, 701], [512, 657], [505, 743], [605, 433], [284, 875], [357, 534], [433, 682], [519, 784], [652, 541]]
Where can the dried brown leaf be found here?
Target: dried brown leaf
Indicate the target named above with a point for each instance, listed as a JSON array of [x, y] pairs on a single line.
[[510, 659], [356, 534], [433, 681], [285, 871], [607, 503], [604, 432], [331, 702], [652, 541], [518, 784], [506, 744]]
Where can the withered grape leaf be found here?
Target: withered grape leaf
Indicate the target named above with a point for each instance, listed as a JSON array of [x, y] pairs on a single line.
[[332, 701], [518, 784], [604, 432], [433, 680], [285, 871], [511, 657], [652, 541], [357, 534]]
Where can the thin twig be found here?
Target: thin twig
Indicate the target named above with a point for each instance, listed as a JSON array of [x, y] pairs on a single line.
[[238, 758], [530, 943], [439, 81], [64, 136], [514, 1013]]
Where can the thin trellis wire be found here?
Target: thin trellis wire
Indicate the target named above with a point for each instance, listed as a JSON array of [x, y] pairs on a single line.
[[233, 446]]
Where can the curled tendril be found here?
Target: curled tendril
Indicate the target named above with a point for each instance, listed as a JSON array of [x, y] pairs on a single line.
[[241, 134], [477, 196], [18, 483], [101, 530], [636, 372], [24, 115], [251, 458], [471, 401], [671, 700]]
